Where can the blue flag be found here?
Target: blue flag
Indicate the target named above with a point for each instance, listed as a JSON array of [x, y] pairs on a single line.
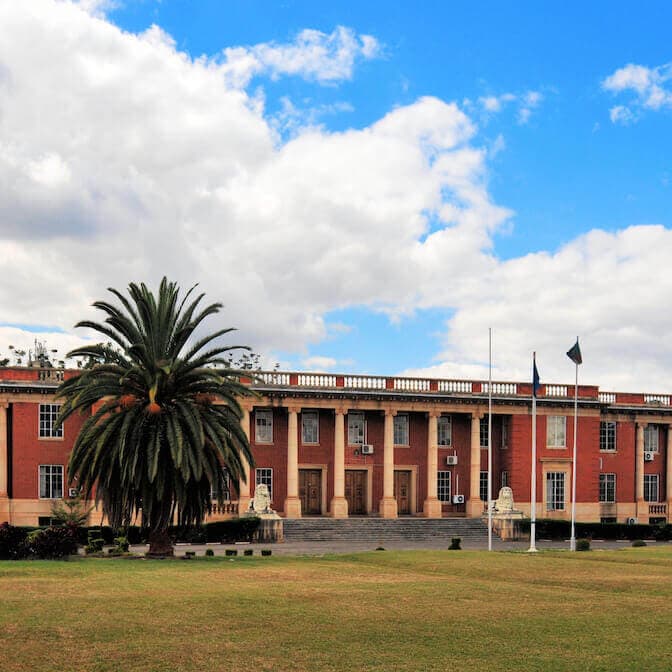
[[536, 384], [574, 353]]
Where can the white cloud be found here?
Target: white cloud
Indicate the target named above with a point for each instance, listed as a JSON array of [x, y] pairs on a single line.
[[319, 363], [122, 159], [314, 55], [651, 87], [525, 104]]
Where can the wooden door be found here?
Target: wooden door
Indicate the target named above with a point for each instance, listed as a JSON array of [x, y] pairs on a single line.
[[355, 491], [402, 491], [310, 491]]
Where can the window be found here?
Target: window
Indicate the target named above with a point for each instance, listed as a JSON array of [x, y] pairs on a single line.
[[401, 429], [265, 475], [608, 436], [555, 431], [505, 434], [51, 481], [226, 488], [483, 486], [505, 479], [608, 488], [356, 429], [443, 486], [263, 426], [48, 415], [650, 487], [555, 491], [445, 427], [310, 427], [651, 438], [483, 430]]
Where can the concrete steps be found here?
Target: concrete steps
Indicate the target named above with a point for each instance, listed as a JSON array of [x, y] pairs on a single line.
[[381, 529]]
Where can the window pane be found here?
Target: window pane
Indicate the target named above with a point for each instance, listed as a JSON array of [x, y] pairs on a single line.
[[51, 481], [48, 415], [445, 426], [356, 427], [263, 426], [555, 431], [555, 491], [483, 430], [309, 427], [401, 429], [608, 488], [651, 438], [265, 475], [608, 436], [483, 486], [443, 486]]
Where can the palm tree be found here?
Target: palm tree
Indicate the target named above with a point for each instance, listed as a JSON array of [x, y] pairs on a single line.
[[165, 417]]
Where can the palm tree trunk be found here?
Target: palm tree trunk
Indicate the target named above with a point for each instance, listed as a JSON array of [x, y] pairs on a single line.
[[160, 545]]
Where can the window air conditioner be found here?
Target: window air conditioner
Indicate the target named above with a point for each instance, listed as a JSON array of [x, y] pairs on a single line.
[[451, 460], [367, 449], [73, 492], [648, 456], [458, 499]]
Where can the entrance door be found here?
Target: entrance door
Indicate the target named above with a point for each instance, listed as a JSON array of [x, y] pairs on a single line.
[[402, 491], [310, 491], [355, 491]]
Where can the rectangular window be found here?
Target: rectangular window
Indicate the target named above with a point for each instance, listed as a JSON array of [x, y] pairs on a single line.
[[483, 430], [651, 438], [608, 488], [505, 434], [555, 431], [48, 415], [445, 427], [650, 487], [608, 436], [226, 488], [443, 486], [401, 429], [263, 426], [483, 486], [505, 479], [51, 481], [310, 427], [265, 475], [555, 491], [356, 429]]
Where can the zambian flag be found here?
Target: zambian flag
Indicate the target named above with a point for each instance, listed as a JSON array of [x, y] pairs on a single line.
[[574, 353]]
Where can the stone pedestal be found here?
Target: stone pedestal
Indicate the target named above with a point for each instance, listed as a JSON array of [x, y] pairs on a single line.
[[270, 529], [507, 526], [292, 507], [388, 507], [431, 508], [339, 507]]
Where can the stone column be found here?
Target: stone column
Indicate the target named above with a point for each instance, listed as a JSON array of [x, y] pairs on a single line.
[[668, 473], [388, 504], [642, 506], [339, 504], [432, 505], [244, 487], [292, 502], [475, 505]]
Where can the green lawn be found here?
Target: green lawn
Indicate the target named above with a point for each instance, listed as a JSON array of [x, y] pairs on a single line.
[[392, 611]]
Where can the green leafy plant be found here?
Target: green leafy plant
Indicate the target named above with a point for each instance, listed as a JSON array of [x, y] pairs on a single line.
[[583, 544], [455, 544], [638, 543]]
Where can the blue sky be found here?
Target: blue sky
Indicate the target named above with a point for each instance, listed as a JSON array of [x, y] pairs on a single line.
[[370, 196]]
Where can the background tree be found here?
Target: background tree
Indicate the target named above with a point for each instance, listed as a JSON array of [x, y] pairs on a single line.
[[165, 418]]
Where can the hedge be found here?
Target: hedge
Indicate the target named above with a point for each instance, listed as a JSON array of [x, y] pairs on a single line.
[[561, 529]]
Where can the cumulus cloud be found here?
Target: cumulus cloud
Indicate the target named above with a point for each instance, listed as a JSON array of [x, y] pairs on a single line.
[[314, 55], [652, 89], [525, 104]]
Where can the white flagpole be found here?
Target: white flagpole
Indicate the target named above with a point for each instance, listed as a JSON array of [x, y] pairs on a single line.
[[572, 540], [533, 493], [490, 438]]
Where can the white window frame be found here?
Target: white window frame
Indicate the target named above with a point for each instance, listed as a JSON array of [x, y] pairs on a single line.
[[264, 475], [310, 427], [263, 425], [443, 486], [556, 431], [608, 436], [651, 439], [483, 431], [226, 494], [445, 430], [49, 476], [356, 428], [607, 488], [47, 415], [483, 486], [651, 487], [504, 478], [401, 424], [555, 491]]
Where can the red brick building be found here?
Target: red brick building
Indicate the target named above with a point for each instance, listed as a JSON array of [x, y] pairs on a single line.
[[339, 446]]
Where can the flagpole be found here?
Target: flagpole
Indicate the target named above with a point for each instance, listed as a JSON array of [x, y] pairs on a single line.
[[489, 438], [572, 541], [533, 493]]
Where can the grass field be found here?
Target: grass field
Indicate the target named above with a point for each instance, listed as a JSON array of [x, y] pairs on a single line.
[[432, 610]]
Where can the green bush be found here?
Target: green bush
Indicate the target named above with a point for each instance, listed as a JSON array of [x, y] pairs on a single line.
[[266, 551], [13, 542], [230, 531], [455, 544], [231, 551], [122, 544], [248, 551], [53, 542], [561, 529], [583, 544], [209, 553], [638, 543]]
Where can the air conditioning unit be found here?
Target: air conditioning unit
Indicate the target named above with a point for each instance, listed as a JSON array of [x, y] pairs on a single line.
[[451, 460], [73, 492], [367, 449], [458, 499], [648, 456], [631, 521]]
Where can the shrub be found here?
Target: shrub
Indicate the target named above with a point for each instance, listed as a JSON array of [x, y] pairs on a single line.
[[266, 551], [122, 544], [13, 542], [231, 551], [638, 543], [209, 553], [53, 542], [248, 551], [583, 544], [230, 531], [455, 544]]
